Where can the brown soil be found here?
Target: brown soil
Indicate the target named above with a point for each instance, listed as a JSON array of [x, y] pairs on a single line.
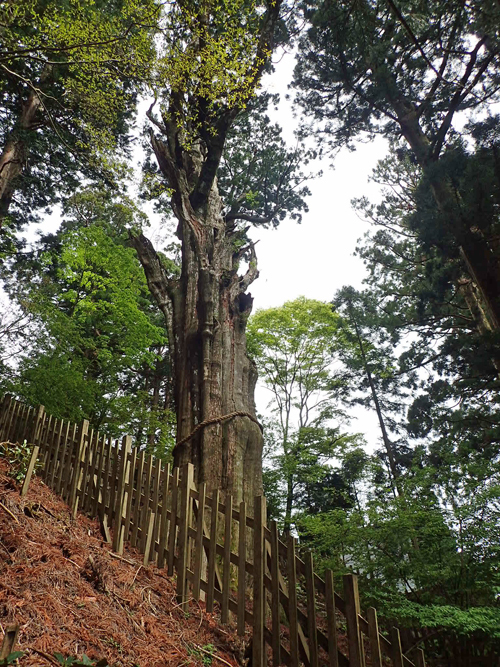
[[61, 584]]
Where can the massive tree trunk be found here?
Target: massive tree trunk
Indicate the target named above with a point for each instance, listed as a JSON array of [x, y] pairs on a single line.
[[206, 310]]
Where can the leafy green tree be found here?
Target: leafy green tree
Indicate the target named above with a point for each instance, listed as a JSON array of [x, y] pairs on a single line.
[[70, 75], [295, 347], [98, 346]]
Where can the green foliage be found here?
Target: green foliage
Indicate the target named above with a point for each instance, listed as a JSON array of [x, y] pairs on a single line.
[[12, 657], [18, 456], [96, 339], [204, 653], [294, 347], [85, 661]]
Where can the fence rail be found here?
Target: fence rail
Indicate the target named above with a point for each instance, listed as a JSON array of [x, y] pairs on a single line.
[[221, 552]]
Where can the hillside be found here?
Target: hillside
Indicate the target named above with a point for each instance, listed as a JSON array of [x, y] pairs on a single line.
[[70, 595]]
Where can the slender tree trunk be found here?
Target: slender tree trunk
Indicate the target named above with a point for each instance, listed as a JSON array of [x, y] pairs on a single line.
[[13, 156], [206, 310], [385, 437], [289, 505]]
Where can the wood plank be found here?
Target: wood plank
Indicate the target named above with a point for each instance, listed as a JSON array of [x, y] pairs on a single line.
[[242, 552], [156, 501], [351, 596], [85, 484], [149, 537], [198, 547], [4, 415], [37, 424], [275, 595], [29, 472], [45, 446], [374, 636], [226, 572], [148, 466], [9, 640], [419, 658], [12, 421], [84, 427], [212, 550], [292, 602], [130, 493], [173, 522], [137, 499], [258, 648], [68, 471], [64, 455], [92, 497], [164, 516], [184, 520], [311, 610], [331, 620], [113, 482], [57, 451], [120, 491], [98, 474], [397, 652], [106, 485]]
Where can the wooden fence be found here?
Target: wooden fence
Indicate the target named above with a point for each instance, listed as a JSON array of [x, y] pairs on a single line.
[[293, 614]]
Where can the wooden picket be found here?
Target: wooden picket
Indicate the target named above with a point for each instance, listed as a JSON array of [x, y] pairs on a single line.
[[190, 531]]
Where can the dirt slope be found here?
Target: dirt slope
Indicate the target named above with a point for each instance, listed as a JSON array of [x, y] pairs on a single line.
[[59, 581]]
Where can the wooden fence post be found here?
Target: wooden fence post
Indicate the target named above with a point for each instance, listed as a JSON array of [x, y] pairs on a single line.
[[214, 521], [9, 640], [120, 493], [84, 429], [242, 554], [187, 482], [162, 543], [376, 655], [37, 424], [311, 609], [292, 602], [258, 646], [275, 594], [397, 652], [352, 610], [419, 658], [198, 549], [173, 522], [6, 403], [29, 472], [331, 621], [226, 572]]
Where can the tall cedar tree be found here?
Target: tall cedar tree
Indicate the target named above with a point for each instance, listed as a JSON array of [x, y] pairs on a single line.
[[211, 70], [407, 67]]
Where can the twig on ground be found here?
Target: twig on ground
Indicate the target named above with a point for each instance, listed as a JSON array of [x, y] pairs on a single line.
[[130, 562], [46, 656], [212, 655], [9, 512], [135, 576]]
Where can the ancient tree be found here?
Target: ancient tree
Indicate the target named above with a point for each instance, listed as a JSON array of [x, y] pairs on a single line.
[[211, 69]]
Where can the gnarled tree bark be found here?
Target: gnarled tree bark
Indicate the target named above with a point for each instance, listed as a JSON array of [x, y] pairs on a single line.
[[205, 311]]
